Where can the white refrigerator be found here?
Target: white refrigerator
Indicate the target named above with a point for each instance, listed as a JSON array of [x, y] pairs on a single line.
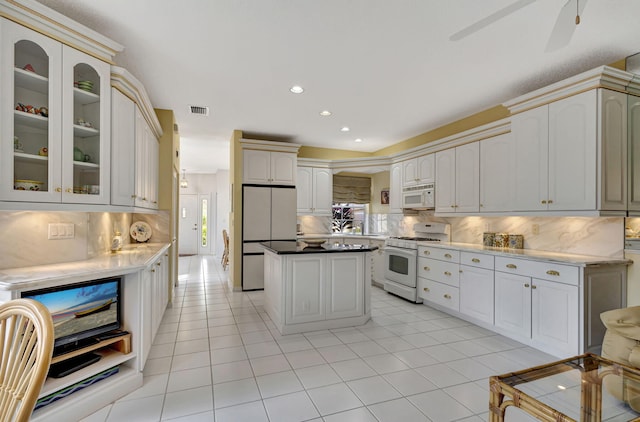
[[268, 213]]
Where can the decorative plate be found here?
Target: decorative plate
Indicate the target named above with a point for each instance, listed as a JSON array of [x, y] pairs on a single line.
[[140, 231]]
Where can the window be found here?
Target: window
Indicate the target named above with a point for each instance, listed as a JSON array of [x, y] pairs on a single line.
[[349, 218]]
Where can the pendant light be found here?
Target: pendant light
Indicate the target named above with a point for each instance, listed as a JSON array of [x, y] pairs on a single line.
[[183, 182]]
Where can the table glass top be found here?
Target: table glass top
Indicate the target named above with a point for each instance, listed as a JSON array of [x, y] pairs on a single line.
[[571, 387]]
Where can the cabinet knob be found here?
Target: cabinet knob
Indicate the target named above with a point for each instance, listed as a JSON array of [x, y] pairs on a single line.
[[453, 206], [153, 271], [543, 201], [426, 268], [158, 264], [533, 286], [426, 289], [69, 190], [553, 272], [144, 199], [447, 273], [526, 285], [550, 201], [476, 260], [447, 296], [427, 253], [134, 196], [447, 255], [58, 189], [512, 266]]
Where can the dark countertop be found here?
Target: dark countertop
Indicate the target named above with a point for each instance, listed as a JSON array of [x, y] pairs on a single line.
[[290, 247]]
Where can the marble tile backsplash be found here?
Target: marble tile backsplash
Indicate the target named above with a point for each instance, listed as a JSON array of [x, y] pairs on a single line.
[[25, 235], [600, 236]]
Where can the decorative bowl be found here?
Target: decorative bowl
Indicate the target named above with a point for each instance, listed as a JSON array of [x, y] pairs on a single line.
[[314, 243], [22, 184]]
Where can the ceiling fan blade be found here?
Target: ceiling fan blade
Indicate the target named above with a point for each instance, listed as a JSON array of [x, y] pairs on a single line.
[[565, 25], [519, 4]]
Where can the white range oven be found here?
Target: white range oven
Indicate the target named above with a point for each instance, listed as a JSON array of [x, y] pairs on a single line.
[[401, 259]]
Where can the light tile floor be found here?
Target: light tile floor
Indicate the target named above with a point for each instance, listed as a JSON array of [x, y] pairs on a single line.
[[217, 356]]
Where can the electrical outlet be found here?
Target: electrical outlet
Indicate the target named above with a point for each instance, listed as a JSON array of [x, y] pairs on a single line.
[[487, 227], [535, 228]]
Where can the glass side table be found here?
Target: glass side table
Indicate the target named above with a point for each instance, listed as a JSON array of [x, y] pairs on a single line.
[[582, 388]]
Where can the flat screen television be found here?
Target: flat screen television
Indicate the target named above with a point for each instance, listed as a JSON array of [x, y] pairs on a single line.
[[81, 311]]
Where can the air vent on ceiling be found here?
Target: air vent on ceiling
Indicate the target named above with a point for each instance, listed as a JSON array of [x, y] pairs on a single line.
[[203, 111], [175, 128]]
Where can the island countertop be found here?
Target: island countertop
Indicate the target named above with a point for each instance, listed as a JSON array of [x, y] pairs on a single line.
[[291, 247]]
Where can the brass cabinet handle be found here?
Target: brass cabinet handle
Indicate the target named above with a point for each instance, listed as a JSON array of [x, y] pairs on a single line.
[[476, 260], [550, 201], [447, 296], [153, 271], [512, 266], [69, 190], [58, 189], [426, 289], [453, 206], [447, 273], [553, 272], [526, 284], [158, 264], [448, 255], [543, 201], [426, 268], [427, 253], [134, 196], [533, 286]]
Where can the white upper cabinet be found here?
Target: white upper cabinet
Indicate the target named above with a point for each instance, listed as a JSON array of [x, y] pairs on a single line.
[[56, 107], [147, 156], [570, 155], [457, 175], [418, 171], [634, 153], [269, 167], [497, 171], [395, 188], [314, 191], [123, 171]]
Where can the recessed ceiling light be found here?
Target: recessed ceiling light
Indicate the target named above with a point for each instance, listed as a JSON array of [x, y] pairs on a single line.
[[345, 129], [358, 140], [296, 89], [325, 113]]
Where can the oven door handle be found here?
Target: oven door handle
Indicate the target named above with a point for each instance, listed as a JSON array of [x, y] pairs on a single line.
[[400, 251]]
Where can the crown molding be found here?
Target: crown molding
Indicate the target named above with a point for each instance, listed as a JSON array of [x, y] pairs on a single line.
[[269, 145]]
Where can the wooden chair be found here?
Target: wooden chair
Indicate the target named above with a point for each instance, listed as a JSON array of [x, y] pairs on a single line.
[[225, 254], [26, 345]]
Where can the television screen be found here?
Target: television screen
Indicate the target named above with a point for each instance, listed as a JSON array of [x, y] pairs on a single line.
[[83, 310]]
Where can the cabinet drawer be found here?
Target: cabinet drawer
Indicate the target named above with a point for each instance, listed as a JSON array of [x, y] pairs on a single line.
[[439, 293], [543, 270], [479, 260], [444, 272], [437, 253]]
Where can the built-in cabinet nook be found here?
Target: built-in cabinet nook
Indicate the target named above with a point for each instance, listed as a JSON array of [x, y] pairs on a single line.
[[79, 135]]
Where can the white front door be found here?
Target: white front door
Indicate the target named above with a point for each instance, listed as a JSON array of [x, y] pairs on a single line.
[[189, 227]]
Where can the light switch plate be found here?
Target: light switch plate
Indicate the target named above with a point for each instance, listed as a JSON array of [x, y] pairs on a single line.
[[58, 231]]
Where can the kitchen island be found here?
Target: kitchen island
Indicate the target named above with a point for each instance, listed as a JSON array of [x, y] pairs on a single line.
[[310, 288]]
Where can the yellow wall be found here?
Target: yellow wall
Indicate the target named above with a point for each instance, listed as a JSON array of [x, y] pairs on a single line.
[[379, 181], [235, 230]]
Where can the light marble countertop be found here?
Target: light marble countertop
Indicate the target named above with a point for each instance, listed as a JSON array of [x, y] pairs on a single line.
[[132, 258], [580, 260]]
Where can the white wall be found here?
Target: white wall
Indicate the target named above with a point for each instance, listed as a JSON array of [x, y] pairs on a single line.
[[217, 187]]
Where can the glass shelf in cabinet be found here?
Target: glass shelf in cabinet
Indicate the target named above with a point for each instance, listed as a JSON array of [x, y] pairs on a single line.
[[30, 157], [86, 164], [83, 97], [31, 120], [31, 81], [84, 132]]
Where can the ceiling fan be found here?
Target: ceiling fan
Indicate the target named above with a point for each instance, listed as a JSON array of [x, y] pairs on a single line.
[[568, 19]]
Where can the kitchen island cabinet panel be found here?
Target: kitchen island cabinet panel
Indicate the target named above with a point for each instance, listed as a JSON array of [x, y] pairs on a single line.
[[345, 292], [305, 289], [309, 289]]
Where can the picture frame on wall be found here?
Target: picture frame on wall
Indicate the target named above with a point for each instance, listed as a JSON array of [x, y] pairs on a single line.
[[384, 196]]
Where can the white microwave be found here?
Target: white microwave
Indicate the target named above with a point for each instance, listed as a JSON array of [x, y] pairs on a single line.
[[420, 197]]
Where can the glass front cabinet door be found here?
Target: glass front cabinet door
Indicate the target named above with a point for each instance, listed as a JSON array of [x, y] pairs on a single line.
[[52, 148]]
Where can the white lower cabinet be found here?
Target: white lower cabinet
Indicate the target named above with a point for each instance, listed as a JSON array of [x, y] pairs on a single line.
[[154, 298], [378, 263], [554, 307], [307, 292], [476, 293]]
